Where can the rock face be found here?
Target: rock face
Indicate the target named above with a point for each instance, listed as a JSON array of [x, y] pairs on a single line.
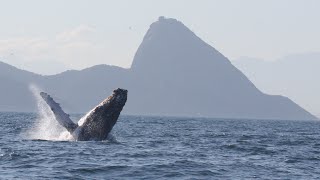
[[294, 76], [179, 74], [174, 73]]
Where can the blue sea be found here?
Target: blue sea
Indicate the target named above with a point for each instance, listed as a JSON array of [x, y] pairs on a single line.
[[32, 146]]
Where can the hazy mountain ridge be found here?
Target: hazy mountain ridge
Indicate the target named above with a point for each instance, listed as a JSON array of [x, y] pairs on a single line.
[[173, 72], [298, 82]]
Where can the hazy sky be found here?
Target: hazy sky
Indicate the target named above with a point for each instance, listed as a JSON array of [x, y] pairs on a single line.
[[50, 36]]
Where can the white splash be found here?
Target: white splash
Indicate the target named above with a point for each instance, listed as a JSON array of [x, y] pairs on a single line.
[[46, 127]]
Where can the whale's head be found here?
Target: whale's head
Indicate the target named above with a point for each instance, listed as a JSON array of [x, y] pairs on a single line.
[[114, 103], [119, 97]]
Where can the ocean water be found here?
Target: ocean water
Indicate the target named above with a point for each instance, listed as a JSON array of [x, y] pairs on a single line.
[[32, 146]]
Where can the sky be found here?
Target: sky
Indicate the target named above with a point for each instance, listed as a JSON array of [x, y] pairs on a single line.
[[48, 37]]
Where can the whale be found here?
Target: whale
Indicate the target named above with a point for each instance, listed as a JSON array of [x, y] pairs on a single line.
[[97, 123]]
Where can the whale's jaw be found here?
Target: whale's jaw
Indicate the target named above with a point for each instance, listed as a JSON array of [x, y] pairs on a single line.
[[98, 123]]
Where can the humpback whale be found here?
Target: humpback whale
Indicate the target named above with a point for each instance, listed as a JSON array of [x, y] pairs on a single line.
[[95, 125]]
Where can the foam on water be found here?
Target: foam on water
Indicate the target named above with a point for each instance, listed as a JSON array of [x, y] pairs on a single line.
[[46, 127]]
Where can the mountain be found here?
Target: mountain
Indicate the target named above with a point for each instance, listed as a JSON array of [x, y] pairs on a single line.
[[293, 76], [173, 73], [14, 90]]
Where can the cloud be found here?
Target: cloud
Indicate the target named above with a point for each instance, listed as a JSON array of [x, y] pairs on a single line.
[[77, 48], [82, 32], [26, 49]]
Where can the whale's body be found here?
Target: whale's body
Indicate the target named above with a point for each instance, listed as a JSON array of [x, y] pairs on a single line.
[[97, 124]]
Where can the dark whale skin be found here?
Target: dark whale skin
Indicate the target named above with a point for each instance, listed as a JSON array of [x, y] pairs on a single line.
[[100, 121], [95, 125]]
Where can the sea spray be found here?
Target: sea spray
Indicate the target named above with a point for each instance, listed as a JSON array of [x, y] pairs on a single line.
[[46, 127]]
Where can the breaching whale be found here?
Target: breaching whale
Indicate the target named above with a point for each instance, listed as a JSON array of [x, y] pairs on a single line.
[[95, 125]]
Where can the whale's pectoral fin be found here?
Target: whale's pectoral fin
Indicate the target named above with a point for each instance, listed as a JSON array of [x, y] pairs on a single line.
[[63, 118]]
